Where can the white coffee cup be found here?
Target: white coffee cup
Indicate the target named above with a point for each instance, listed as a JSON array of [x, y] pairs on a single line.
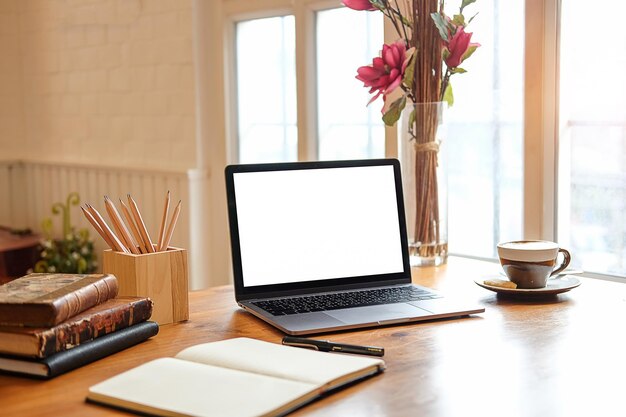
[[529, 263]]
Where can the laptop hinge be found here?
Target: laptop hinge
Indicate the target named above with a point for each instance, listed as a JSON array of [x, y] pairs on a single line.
[[334, 288]]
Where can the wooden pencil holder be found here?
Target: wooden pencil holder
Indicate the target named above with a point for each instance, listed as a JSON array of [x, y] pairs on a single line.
[[162, 276]]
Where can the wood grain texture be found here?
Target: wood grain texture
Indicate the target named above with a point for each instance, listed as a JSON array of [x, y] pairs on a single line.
[[556, 356], [162, 276]]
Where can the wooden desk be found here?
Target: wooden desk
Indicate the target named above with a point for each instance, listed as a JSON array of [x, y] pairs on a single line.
[[561, 356]]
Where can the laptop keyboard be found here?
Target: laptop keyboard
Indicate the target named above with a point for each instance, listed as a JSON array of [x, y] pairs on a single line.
[[336, 301]]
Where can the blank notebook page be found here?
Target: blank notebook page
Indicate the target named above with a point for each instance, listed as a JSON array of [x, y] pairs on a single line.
[[286, 362], [174, 387]]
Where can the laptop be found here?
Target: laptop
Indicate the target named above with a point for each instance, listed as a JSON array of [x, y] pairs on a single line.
[[322, 246]]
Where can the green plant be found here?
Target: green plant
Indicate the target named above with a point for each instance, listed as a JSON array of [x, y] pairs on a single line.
[[74, 253]]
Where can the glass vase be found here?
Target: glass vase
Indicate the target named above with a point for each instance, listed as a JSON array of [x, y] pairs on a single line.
[[422, 155]]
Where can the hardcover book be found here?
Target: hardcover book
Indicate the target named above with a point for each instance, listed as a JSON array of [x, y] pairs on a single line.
[[237, 377], [110, 316], [80, 355], [45, 300]]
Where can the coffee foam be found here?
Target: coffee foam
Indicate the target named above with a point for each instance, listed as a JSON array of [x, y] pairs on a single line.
[[529, 245], [528, 251]]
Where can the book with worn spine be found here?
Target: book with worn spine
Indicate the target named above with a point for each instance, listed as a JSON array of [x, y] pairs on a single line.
[[237, 377], [45, 300], [80, 355], [105, 318]]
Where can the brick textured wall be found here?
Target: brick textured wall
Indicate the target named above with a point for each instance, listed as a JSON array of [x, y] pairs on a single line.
[[11, 125], [101, 82]]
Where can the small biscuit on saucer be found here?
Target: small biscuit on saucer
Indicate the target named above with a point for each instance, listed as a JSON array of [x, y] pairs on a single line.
[[500, 283]]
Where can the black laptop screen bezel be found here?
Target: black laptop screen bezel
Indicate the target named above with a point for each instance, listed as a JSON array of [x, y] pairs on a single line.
[[276, 290]]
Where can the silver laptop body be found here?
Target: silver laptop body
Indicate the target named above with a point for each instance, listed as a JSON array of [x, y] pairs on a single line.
[[309, 230]]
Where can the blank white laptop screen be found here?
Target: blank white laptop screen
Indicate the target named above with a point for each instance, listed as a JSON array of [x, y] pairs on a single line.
[[316, 224]]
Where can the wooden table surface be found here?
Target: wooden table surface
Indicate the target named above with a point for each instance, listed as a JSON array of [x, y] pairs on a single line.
[[558, 356]]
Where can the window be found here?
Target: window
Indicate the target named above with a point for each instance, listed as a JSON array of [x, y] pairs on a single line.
[[485, 134], [485, 125], [512, 174], [592, 141], [266, 90], [346, 128]]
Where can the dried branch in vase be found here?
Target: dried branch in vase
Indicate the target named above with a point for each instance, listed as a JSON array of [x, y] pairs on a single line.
[[430, 49]]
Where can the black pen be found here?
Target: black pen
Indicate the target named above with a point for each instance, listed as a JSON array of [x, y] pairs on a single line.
[[327, 346]]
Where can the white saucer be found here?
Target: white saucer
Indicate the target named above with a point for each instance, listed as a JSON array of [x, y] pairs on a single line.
[[555, 286]]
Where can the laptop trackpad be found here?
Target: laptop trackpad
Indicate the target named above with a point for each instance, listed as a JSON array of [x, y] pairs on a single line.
[[373, 314]]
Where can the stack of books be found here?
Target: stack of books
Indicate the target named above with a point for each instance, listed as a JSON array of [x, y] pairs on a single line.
[[53, 323]]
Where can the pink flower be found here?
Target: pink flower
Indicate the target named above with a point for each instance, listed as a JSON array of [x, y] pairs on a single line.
[[358, 4], [385, 73], [458, 46]]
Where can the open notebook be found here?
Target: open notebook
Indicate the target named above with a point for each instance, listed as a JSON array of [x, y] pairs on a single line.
[[235, 377]]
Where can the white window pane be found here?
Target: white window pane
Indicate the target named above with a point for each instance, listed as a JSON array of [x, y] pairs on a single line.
[[485, 133], [266, 90], [346, 128], [592, 138]]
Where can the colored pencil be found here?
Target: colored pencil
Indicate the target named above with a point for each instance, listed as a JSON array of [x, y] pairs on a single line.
[[166, 210], [119, 246], [133, 227], [172, 225], [140, 224], [120, 227], [96, 226]]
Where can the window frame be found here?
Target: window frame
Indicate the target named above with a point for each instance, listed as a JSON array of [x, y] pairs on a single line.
[[541, 113], [306, 82]]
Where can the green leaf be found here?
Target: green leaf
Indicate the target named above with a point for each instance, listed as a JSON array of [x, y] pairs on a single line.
[[441, 24], [458, 20], [448, 97], [466, 3], [406, 22], [412, 118], [445, 53], [46, 227], [81, 266], [83, 234], [471, 18], [41, 266], [469, 52], [409, 73], [395, 110], [457, 70]]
